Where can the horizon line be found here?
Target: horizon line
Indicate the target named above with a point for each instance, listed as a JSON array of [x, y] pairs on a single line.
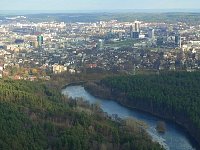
[[156, 10]]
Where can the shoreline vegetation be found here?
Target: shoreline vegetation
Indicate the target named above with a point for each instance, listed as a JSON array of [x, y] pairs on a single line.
[[109, 88]]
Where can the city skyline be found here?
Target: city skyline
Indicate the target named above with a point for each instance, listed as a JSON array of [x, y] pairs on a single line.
[[68, 5]]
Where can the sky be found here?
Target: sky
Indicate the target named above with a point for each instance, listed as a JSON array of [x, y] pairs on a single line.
[[67, 5]]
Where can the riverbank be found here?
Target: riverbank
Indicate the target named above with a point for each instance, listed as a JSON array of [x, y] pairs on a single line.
[[101, 91], [73, 84], [60, 81]]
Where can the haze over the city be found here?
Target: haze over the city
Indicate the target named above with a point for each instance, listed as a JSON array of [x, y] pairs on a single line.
[[66, 5]]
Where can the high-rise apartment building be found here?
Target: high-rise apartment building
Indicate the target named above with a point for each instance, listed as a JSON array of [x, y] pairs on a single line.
[[151, 33]]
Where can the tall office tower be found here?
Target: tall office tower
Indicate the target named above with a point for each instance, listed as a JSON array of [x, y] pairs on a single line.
[[40, 40], [131, 31], [151, 33], [178, 40], [137, 26], [180, 43]]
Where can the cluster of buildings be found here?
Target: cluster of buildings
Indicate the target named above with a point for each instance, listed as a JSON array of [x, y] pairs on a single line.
[[35, 50]]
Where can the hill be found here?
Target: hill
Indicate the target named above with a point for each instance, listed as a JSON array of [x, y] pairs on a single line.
[[34, 116]]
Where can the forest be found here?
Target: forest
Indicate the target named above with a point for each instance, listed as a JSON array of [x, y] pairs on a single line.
[[167, 17], [171, 95], [35, 116]]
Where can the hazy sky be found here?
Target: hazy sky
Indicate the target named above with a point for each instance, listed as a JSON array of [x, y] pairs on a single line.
[[97, 4]]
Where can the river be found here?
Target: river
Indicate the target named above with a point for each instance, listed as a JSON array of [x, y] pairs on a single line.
[[174, 138]]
